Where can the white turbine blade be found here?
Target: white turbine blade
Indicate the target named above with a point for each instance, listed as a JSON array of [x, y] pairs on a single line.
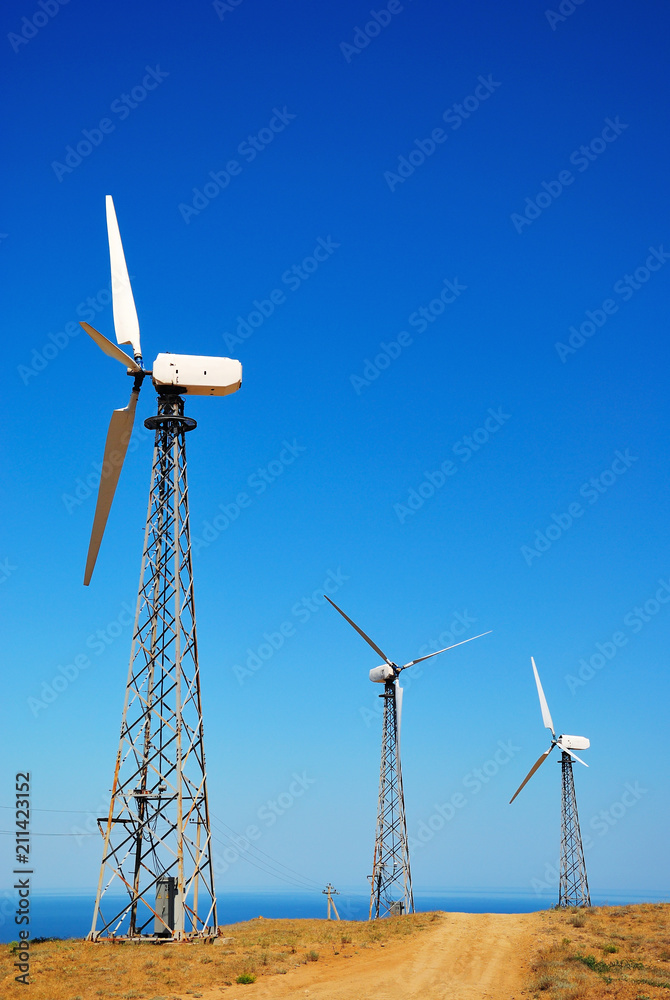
[[109, 348], [546, 714], [398, 710], [532, 771], [428, 655], [571, 752], [116, 445], [398, 693], [126, 324], [361, 632]]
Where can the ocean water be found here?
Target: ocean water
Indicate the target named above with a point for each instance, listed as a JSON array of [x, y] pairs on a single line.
[[69, 915]]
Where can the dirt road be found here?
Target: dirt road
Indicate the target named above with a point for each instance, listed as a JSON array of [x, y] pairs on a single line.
[[465, 956]]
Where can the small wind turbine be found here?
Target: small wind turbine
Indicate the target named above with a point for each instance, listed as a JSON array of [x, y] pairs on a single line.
[[157, 849], [172, 375], [574, 886], [390, 865]]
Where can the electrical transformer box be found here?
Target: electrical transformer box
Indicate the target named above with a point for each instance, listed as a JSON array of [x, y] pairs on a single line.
[[166, 891]]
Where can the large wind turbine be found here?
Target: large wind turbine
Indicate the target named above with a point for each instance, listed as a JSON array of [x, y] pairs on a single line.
[[157, 836], [391, 880], [574, 886]]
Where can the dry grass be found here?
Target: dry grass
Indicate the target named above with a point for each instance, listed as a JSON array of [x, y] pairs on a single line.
[[77, 970], [608, 951]]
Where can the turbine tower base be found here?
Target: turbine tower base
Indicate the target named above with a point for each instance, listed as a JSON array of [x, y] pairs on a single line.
[[574, 886]]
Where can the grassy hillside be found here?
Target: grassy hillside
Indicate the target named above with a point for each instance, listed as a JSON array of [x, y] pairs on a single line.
[[78, 970], [608, 951]]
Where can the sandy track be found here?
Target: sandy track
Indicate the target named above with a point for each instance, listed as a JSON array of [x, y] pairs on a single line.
[[465, 956]]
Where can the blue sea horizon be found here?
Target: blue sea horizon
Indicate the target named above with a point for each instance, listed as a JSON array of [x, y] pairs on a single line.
[[68, 915]]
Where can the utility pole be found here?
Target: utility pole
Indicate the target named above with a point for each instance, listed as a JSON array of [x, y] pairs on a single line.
[[330, 891]]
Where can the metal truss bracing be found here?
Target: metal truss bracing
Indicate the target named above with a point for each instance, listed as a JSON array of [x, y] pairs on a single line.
[[156, 877], [574, 887], [391, 881]]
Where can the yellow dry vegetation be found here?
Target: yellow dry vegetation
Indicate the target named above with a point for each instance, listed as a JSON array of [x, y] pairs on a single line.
[[619, 952], [607, 951], [78, 970]]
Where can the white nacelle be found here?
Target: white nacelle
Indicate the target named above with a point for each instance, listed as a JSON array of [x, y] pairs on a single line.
[[575, 742], [198, 376], [382, 674]]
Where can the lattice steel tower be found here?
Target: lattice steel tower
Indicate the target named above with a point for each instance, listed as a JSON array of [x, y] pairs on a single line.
[[156, 877], [574, 885], [391, 879], [157, 834]]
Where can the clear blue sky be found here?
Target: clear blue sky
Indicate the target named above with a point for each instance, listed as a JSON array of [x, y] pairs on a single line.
[[483, 107]]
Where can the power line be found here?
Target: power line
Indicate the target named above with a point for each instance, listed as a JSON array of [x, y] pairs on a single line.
[[33, 833], [274, 861], [270, 867], [77, 812], [263, 866]]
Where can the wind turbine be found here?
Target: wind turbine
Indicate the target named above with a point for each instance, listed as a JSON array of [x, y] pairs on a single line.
[[391, 880], [157, 835], [574, 886]]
